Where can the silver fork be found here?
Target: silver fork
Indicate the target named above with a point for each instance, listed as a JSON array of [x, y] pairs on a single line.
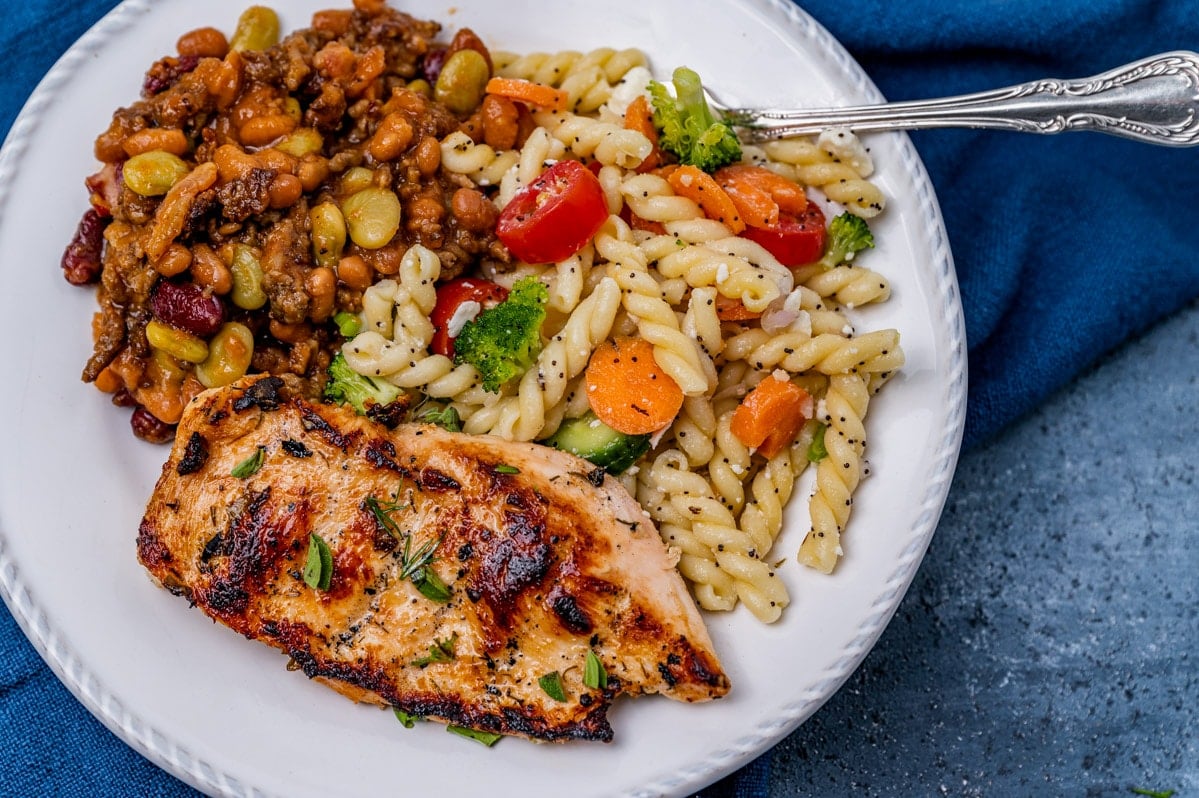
[[1154, 100]]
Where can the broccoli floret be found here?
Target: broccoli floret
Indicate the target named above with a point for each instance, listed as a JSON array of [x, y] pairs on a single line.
[[847, 235], [688, 127], [502, 342], [376, 399]]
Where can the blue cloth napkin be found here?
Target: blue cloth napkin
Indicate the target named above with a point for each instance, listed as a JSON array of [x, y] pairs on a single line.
[[1065, 247]]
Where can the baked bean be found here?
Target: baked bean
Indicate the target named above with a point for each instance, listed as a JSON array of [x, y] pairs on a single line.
[[355, 272], [209, 271], [391, 138], [321, 285], [473, 211], [290, 333], [276, 160], [203, 42], [386, 260], [335, 60], [428, 156], [233, 163], [175, 260], [222, 78], [109, 145], [285, 190], [335, 21], [312, 171], [370, 7], [424, 210], [500, 117], [262, 130], [156, 138], [370, 66]]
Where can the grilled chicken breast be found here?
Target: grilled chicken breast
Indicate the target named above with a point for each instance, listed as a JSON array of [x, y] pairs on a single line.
[[460, 572]]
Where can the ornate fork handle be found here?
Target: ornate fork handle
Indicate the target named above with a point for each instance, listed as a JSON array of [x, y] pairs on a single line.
[[1155, 100]]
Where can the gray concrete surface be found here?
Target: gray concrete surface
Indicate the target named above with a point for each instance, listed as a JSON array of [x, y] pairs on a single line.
[[1049, 644]]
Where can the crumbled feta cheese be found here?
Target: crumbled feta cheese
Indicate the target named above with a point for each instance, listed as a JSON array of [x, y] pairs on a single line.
[[467, 311], [722, 273]]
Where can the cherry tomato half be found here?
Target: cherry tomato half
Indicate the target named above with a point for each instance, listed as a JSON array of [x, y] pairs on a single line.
[[555, 215], [796, 240], [450, 297]]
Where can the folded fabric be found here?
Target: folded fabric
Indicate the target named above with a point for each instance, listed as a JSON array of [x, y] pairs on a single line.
[[1065, 246]]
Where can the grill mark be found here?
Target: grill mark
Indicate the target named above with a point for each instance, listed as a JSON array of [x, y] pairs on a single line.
[[313, 421], [436, 481], [264, 394], [195, 455]]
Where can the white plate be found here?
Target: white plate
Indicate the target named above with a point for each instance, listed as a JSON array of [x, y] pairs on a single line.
[[222, 713]]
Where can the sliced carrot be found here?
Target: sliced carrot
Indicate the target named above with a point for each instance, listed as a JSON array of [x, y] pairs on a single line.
[[530, 93], [638, 116], [728, 309], [696, 184], [789, 196], [666, 170], [627, 388], [771, 415], [757, 207], [641, 223]]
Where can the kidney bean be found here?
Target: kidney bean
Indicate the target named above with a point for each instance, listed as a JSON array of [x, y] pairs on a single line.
[[188, 307], [81, 262], [149, 428], [467, 39], [122, 398], [433, 61]]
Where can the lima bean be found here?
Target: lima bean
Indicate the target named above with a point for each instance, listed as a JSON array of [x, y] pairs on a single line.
[[372, 216], [153, 173], [247, 278], [462, 81]]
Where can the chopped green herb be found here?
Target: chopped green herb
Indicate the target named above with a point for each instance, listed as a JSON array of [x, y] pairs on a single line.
[[551, 683], [414, 565], [250, 465], [348, 324], [431, 586], [446, 417], [504, 468], [318, 570], [1152, 793], [816, 450], [409, 720], [486, 738], [440, 651], [594, 675]]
